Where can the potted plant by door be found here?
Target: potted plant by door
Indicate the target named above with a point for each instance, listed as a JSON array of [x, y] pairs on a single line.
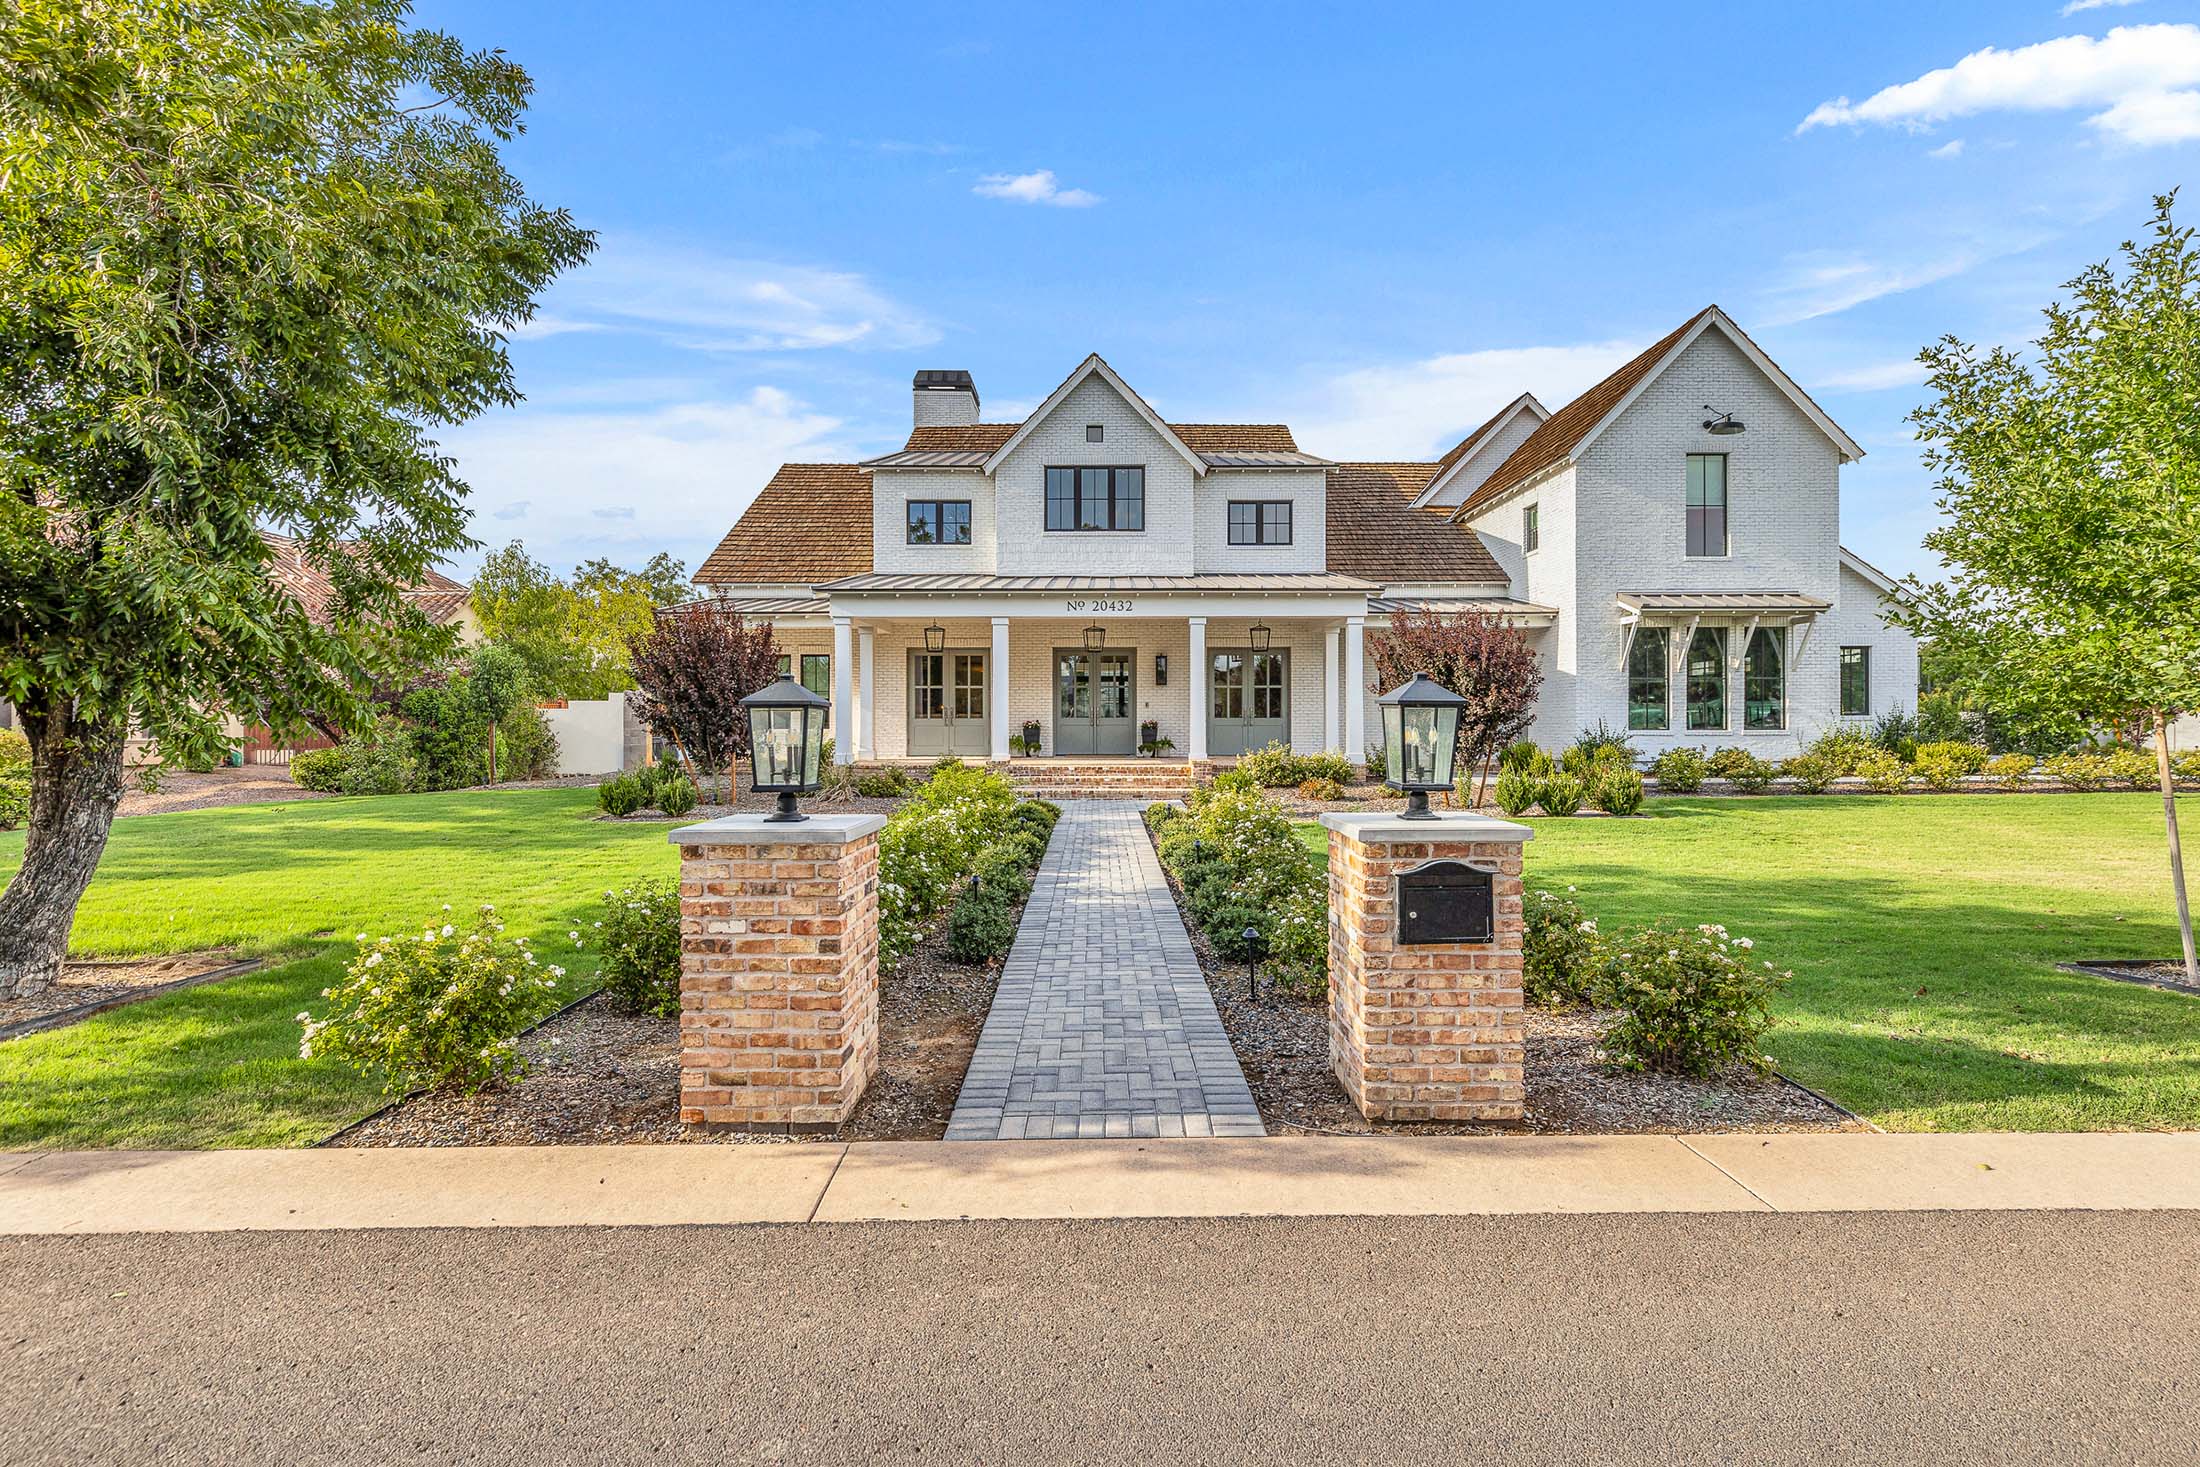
[[1155, 748], [1031, 736], [1149, 734]]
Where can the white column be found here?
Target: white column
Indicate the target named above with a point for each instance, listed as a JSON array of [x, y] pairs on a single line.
[[844, 744], [996, 678], [1355, 689], [867, 715], [1332, 680], [1196, 689]]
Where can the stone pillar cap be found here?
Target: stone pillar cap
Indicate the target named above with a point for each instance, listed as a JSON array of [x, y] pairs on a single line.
[[1388, 828], [756, 830]]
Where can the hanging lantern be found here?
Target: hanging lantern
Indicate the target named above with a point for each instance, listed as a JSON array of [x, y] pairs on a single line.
[[1259, 637], [1420, 741], [786, 743], [1096, 637], [935, 638]]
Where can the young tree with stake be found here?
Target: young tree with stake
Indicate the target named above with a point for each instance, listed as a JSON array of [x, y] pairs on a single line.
[[1484, 659]]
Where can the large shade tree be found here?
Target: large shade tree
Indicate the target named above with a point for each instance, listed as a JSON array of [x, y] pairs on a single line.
[[2071, 483], [252, 253], [573, 634], [1484, 659]]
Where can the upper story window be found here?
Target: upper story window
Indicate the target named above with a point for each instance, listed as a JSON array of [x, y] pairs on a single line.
[[1531, 527], [1096, 432], [1260, 522], [939, 522], [1707, 504], [1096, 499]]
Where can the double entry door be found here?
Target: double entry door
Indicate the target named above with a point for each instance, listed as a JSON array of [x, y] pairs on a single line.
[[1094, 710], [947, 705], [1247, 695]]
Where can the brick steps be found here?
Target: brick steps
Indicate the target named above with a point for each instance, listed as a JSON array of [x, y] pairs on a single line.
[[1130, 779]]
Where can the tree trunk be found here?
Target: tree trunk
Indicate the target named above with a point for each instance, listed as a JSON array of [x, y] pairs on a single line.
[[2176, 850], [76, 782]]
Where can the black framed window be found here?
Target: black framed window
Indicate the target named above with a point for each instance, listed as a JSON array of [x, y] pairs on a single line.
[[817, 672], [1649, 679], [1531, 527], [1260, 522], [1707, 504], [1096, 499], [939, 522], [1764, 680], [1856, 682], [1707, 679]]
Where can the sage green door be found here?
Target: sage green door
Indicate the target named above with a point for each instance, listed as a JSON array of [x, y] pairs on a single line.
[[1248, 701], [1093, 703], [947, 705]]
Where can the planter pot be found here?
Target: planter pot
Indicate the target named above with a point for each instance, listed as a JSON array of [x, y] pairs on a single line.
[[1149, 732], [1031, 737]]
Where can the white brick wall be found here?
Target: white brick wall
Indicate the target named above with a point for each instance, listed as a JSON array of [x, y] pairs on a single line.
[[891, 552], [1492, 452], [1305, 490], [1855, 622], [1548, 577], [1026, 547]]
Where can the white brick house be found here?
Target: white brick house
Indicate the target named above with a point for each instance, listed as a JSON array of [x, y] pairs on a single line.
[[1097, 575]]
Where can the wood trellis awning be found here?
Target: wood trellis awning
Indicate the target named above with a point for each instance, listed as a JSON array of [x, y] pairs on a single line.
[[1687, 610]]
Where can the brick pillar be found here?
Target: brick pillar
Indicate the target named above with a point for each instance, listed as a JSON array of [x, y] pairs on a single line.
[[1424, 1031], [778, 970]]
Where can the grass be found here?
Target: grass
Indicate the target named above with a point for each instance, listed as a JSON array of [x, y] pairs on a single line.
[[1923, 931], [218, 1065]]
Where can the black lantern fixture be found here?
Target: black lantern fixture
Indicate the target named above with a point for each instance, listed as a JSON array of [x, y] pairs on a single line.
[[1259, 637], [935, 638], [1096, 637], [1420, 741], [1720, 425], [786, 743]]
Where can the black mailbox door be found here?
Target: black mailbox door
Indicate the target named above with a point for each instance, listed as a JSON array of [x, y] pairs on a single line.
[[1446, 901]]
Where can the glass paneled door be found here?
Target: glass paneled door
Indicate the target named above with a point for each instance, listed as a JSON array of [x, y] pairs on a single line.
[[1093, 706], [1247, 701], [947, 705]]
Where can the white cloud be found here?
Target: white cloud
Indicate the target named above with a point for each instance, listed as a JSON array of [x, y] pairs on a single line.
[[1953, 148], [2076, 6], [1875, 377], [1409, 409], [1822, 282], [1033, 188], [2142, 77]]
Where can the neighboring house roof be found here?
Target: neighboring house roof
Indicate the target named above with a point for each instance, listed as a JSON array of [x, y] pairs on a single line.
[[1319, 582], [1467, 449], [811, 523], [1373, 530], [1573, 427], [439, 598]]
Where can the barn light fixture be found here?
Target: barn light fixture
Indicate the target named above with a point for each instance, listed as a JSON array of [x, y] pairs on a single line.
[[1720, 425]]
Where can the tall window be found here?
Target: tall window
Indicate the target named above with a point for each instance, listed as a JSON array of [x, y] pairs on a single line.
[[1096, 499], [817, 672], [1707, 679], [1649, 679], [1260, 522], [1856, 682], [1707, 504], [1764, 679], [939, 522], [1531, 527]]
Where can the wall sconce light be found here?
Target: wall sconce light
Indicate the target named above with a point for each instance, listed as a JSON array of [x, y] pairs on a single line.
[[1161, 669]]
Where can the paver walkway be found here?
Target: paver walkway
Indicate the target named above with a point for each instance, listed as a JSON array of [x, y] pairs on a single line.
[[1102, 1025]]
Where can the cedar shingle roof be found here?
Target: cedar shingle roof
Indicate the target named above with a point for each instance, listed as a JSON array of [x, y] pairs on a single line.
[[1374, 530], [1198, 437], [1555, 441], [811, 523], [969, 438], [438, 597]]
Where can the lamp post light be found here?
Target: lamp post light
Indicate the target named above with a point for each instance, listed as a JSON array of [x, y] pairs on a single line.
[[1420, 741], [786, 743]]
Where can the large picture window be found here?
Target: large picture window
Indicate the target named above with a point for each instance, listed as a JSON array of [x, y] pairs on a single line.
[[1764, 680], [1707, 504], [1649, 679], [1707, 679], [1260, 522], [1856, 682], [1096, 499], [939, 522]]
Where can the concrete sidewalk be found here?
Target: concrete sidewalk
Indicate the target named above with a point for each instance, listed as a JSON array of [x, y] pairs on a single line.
[[1387, 1176]]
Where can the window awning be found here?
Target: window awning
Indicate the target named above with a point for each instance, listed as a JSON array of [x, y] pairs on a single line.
[[1527, 613], [1634, 605]]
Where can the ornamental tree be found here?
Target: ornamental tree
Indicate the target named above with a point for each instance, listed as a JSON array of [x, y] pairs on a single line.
[[2071, 484], [573, 634], [692, 669], [252, 253], [1484, 659]]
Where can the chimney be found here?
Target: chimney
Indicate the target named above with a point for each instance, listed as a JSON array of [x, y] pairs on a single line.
[[945, 399]]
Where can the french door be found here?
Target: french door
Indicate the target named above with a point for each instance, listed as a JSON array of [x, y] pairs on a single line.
[[1248, 695], [947, 705], [1094, 706]]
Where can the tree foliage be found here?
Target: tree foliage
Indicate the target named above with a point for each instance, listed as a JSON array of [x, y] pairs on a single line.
[[1482, 658], [573, 634], [692, 669]]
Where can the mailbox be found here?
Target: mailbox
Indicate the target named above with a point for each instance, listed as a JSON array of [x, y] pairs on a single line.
[[1446, 901]]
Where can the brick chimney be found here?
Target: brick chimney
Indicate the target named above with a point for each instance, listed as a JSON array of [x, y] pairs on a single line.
[[945, 399]]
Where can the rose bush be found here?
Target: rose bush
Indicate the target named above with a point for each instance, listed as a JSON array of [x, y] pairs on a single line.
[[1690, 1002]]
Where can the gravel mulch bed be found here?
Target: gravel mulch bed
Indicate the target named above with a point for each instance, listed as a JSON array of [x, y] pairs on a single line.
[[109, 984], [751, 803], [2168, 973], [255, 784]]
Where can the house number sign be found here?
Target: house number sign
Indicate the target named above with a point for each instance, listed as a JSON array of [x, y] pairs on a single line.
[[1101, 606]]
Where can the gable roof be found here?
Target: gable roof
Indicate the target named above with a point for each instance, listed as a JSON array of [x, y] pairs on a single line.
[[1231, 445], [437, 597], [1573, 427], [811, 523], [1374, 530], [1878, 579], [1093, 366], [1467, 449]]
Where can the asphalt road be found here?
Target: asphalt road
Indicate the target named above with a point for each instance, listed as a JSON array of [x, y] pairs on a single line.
[[1734, 1338]]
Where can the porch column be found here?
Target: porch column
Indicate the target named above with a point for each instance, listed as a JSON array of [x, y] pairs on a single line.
[[1332, 703], [1196, 689], [867, 714], [996, 676], [844, 744], [1355, 689]]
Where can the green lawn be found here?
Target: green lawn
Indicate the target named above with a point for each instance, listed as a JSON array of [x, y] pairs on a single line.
[[1923, 931], [218, 1065]]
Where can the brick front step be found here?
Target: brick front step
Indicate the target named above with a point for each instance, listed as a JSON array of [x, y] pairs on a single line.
[[1139, 779]]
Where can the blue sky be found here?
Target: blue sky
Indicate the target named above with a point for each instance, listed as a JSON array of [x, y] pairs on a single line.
[[1375, 224]]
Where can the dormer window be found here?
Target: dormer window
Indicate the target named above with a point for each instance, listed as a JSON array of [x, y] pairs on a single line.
[[939, 522], [1096, 499]]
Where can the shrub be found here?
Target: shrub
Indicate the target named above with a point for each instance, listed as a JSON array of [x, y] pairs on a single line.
[[1607, 742], [1034, 816], [677, 796], [1895, 733], [1321, 788], [1006, 866], [1883, 773], [1690, 1002], [1616, 790], [1516, 790], [622, 795], [1749, 774], [1039, 809], [2186, 765], [1227, 928], [1560, 952], [1237, 853], [889, 782], [1939, 719], [318, 769], [1272, 767], [526, 746], [1523, 754], [1723, 762], [380, 764], [15, 796], [1679, 771], [2078, 771], [980, 926], [2011, 771], [1809, 773], [1561, 794], [1968, 758], [1162, 816], [1842, 748], [639, 938], [2126, 765], [1325, 766], [929, 845], [439, 1008]]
